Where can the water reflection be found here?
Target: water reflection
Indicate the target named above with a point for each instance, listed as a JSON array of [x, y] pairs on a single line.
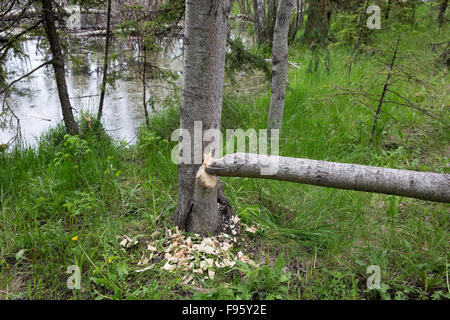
[[35, 99]]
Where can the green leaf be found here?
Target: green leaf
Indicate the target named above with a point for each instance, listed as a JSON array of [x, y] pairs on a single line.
[[122, 270], [19, 254]]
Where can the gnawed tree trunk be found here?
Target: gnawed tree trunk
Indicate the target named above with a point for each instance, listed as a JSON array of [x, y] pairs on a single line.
[[442, 9], [204, 63], [205, 203], [58, 66], [420, 185], [279, 64]]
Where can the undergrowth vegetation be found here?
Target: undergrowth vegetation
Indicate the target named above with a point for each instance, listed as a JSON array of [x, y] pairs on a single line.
[[70, 199]]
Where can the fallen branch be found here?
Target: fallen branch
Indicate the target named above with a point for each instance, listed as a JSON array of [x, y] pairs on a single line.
[[289, 63], [420, 185], [93, 33], [40, 118]]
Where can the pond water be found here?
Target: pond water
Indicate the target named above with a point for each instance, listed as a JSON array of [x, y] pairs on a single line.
[[35, 99]]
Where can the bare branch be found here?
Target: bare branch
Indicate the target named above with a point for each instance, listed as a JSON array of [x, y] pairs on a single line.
[[25, 75]]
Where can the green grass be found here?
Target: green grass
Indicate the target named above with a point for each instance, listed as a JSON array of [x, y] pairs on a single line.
[[313, 242]]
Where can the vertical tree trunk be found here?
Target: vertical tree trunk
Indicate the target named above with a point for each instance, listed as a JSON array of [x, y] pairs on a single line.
[[105, 62], [388, 9], [144, 85], [279, 64], [270, 21], [442, 9], [58, 66], [257, 13], [204, 62], [296, 23], [302, 13], [204, 217]]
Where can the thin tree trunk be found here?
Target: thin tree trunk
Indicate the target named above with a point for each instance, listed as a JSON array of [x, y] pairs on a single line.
[[144, 86], [105, 62], [257, 12], [388, 9], [279, 64], [421, 185], [204, 62], [271, 21], [58, 66], [296, 23], [442, 9], [302, 13], [383, 93]]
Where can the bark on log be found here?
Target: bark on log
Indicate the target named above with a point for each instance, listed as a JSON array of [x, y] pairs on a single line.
[[420, 185]]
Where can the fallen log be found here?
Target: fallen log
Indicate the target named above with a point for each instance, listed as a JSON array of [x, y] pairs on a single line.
[[14, 14], [90, 33], [31, 12], [414, 184]]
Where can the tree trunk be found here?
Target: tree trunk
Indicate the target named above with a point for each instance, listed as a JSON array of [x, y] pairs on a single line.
[[279, 64], [205, 217], [105, 62], [257, 13], [442, 9], [296, 23], [204, 62], [302, 13], [318, 22], [421, 185], [58, 66], [270, 21], [388, 9], [144, 84]]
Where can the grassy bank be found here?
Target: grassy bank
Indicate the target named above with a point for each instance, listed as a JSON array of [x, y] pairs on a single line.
[[70, 200]]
